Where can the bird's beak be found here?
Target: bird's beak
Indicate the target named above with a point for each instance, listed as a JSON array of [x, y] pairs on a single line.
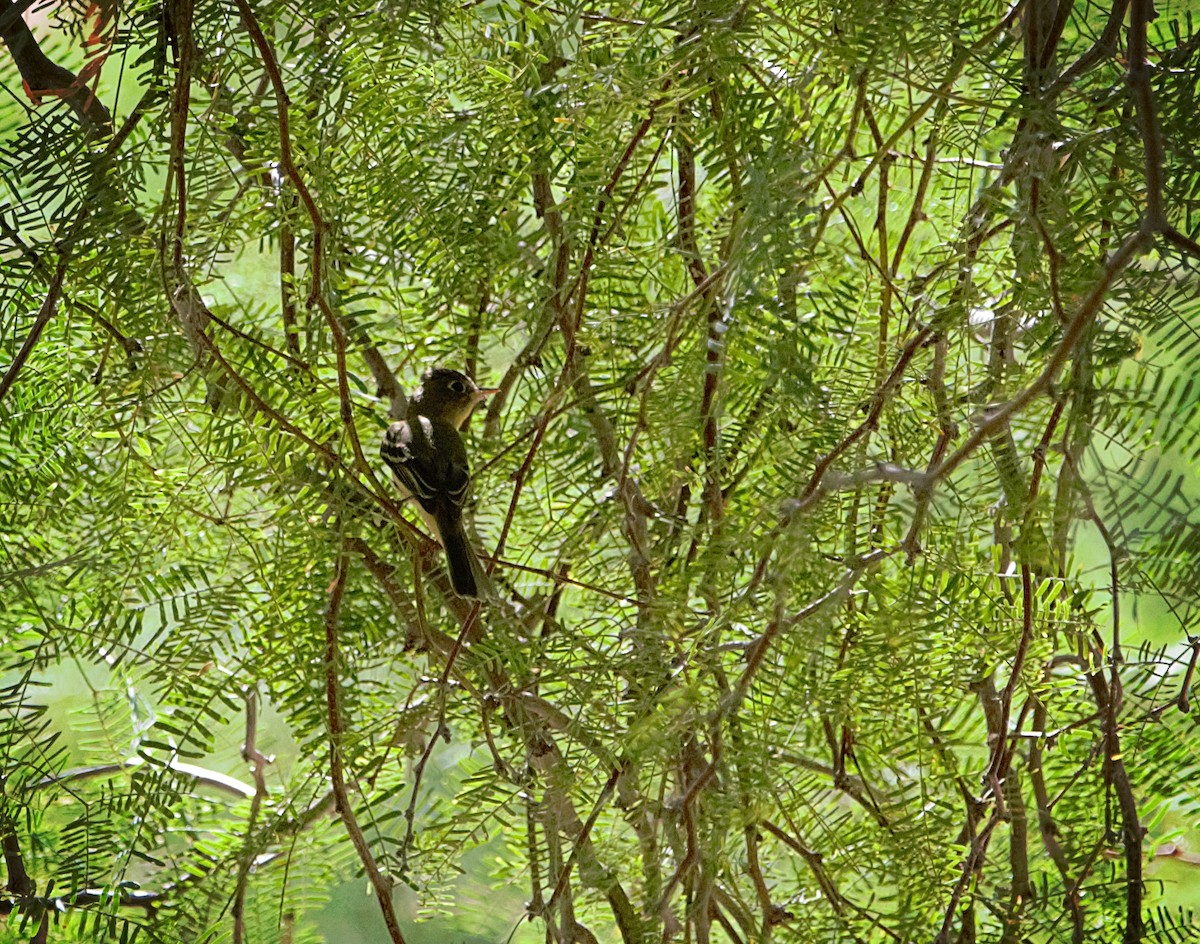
[[484, 392]]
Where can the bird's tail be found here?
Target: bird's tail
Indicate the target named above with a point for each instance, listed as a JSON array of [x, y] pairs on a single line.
[[460, 557]]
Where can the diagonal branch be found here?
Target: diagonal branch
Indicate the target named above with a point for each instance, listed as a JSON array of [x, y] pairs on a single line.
[[385, 380], [42, 76], [48, 310]]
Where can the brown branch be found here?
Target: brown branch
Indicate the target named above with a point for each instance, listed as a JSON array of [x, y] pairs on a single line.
[[1114, 556], [574, 374], [756, 653], [1053, 256], [180, 24], [891, 292], [1088, 309], [586, 17], [1180, 241], [328, 456], [537, 903], [580, 289], [813, 860], [1047, 828], [723, 904], [886, 291], [258, 763], [878, 400], [1002, 750], [816, 863], [717, 326], [471, 345], [1104, 47], [520, 477], [854, 787], [129, 345], [337, 741], [42, 76], [559, 577], [469, 624], [697, 774], [382, 572], [718, 914], [286, 425], [55, 280], [534, 719], [916, 212], [259, 343], [547, 759], [752, 428], [935, 381], [385, 380], [12, 14], [977, 234], [1061, 13], [48, 310], [1183, 698], [770, 911], [18, 881], [1141, 13], [418, 775], [1117, 776], [1018, 856], [964, 56], [601, 802], [287, 279], [970, 865], [1138, 76]]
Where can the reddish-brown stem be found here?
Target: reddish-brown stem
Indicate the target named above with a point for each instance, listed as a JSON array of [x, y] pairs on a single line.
[[384, 378], [47, 311], [337, 741]]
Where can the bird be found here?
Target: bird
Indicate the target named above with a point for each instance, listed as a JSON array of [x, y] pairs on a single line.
[[429, 463]]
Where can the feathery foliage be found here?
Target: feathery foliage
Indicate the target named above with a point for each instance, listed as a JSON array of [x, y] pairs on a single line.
[[839, 494]]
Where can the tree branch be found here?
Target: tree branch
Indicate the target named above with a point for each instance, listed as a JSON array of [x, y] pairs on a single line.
[[337, 741]]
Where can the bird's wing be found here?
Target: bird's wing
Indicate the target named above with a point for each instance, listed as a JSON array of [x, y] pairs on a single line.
[[412, 456], [397, 451]]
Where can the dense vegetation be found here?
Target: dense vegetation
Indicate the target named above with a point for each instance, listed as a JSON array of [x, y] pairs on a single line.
[[838, 495]]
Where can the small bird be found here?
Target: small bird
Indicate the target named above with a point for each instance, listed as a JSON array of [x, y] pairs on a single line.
[[426, 454]]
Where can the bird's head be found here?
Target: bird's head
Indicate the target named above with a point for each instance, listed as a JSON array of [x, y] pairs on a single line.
[[449, 394]]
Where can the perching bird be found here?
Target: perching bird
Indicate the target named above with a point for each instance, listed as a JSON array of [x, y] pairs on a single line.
[[427, 456]]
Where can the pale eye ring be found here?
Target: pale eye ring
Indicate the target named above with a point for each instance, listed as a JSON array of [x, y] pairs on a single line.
[[458, 386]]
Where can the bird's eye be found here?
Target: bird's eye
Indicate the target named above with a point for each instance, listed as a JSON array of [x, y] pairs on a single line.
[[458, 386]]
